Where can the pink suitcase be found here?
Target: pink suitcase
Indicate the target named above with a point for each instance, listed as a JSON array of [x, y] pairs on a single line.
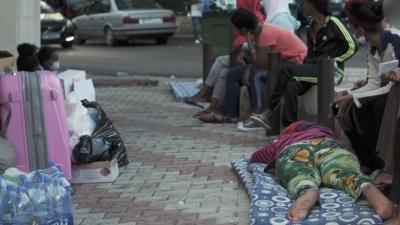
[[38, 127]]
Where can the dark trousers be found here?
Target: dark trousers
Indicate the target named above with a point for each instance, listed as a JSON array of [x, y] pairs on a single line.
[[234, 80], [369, 118], [289, 88], [395, 193]]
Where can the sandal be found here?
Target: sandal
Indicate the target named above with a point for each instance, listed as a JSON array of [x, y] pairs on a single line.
[[261, 120], [189, 101], [212, 117]]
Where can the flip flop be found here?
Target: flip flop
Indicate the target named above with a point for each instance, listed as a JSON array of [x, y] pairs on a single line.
[[260, 120], [189, 101]]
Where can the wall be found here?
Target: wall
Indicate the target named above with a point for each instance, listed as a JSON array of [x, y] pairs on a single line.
[[19, 22]]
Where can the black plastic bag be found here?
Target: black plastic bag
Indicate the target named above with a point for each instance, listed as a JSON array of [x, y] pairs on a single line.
[[104, 144]]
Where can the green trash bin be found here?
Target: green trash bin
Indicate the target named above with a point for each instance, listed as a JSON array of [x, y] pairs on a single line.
[[218, 36]]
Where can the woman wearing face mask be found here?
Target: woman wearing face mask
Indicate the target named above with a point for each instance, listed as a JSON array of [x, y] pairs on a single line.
[[48, 59]]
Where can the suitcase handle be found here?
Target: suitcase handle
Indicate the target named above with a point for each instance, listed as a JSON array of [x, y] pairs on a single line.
[[53, 95]]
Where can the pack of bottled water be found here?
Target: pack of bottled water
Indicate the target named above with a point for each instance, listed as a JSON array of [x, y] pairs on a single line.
[[42, 197]]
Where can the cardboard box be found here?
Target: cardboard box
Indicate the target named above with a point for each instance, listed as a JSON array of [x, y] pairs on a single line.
[[8, 62], [76, 86], [97, 172]]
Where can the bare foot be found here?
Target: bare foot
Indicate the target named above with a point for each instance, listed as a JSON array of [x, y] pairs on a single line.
[[382, 205], [395, 220], [302, 206], [203, 95]]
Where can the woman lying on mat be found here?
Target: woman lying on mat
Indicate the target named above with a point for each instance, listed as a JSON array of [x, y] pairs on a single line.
[[308, 155]]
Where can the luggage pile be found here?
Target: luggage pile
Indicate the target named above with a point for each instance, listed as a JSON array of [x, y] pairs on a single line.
[[92, 136], [41, 197]]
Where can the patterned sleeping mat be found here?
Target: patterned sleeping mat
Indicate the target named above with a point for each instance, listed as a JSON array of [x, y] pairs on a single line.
[[183, 90], [270, 201]]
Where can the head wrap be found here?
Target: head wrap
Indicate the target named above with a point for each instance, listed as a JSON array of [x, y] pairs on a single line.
[[370, 26]]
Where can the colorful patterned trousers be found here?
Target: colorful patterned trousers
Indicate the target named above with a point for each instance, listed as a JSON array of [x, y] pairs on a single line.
[[308, 164]]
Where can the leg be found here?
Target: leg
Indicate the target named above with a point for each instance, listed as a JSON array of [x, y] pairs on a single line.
[[230, 104], [294, 89], [340, 169], [257, 91], [205, 92], [297, 174], [368, 121]]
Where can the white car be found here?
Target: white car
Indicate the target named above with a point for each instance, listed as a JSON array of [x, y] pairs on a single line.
[[122, 20]]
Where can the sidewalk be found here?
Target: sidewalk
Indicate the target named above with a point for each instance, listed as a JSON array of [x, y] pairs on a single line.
[[180, 168]]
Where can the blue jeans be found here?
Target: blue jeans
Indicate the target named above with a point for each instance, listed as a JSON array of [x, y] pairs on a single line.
[[230, 104]]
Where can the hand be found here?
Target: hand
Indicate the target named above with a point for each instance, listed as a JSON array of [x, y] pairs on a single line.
[[359, 84], [393, 75], [343, 102], [247, 76], [240, 58]]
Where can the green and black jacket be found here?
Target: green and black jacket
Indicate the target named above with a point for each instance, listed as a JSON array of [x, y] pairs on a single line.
[[332, 41]]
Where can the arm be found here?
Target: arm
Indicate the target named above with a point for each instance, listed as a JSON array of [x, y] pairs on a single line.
[[349, 46], [373, 80], [261, 57]]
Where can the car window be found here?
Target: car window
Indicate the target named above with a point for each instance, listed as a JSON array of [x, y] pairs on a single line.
[[100, 7], [136, 4], [45, 8]]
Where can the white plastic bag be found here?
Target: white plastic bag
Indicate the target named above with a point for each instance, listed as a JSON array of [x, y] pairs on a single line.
[[79, 120]]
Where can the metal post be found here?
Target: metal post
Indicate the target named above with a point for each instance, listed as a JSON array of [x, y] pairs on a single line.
[[207, 60], [274, 62], [326, 80]]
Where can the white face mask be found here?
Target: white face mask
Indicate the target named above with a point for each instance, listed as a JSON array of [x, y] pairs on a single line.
[[56, 66]]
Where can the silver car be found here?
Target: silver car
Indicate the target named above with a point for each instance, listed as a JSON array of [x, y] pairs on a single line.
[[122, 20]]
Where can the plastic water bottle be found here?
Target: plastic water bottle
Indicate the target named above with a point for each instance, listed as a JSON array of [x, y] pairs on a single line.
[[8, 206], [42, 201], [63, 203], [52, 169], [23, 208]]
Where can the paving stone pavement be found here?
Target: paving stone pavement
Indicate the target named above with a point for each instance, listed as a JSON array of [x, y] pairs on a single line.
[[180, 167], [179, 171]]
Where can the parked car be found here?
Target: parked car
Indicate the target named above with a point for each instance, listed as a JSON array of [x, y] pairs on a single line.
[[122, 20], [55, 29], [69, 8]]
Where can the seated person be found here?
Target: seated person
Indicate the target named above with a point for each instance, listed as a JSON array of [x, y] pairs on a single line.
[[264, 38], [360, 111], [308, 156], [27, 59], [48, 59], [326, 37], [277, 14]]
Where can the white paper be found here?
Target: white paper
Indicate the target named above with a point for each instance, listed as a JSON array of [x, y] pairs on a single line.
[[388, 66], [68, 78], [84, 90]]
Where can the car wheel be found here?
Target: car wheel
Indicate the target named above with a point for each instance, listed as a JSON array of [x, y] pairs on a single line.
[[109, 37], [162, 40], [66, 44]]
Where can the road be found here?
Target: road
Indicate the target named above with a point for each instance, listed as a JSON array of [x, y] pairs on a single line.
[[180, 58]]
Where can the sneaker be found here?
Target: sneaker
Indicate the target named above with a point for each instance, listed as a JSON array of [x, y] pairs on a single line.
[[197, 41], [249, 125], [261, 120]]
